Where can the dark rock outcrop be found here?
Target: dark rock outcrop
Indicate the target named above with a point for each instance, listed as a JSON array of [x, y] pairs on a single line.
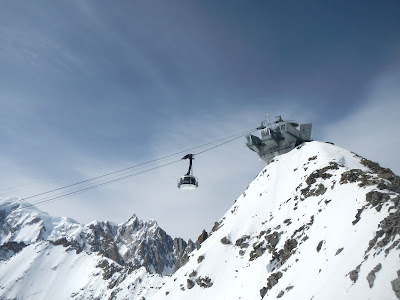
[[319, 246], [10, 248], [393, 183], [272, 240], [258, 250], [284, 254], [383, 178], [182, 251], [71, 244], [396, 285], [242, 242], [190, 283], [109, 269], [339, 251], [202, 237], [263, 292], [371, 275], [354, 273], [390, 228], [204, 282], [216, 226], [358, 215], [273, 279], [225, 241], [377, 199], [308, 191]]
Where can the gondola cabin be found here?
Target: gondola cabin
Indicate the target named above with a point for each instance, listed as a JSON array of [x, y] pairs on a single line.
[[188, 182]]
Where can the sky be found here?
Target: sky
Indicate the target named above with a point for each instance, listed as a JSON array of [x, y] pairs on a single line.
[[91, 87]]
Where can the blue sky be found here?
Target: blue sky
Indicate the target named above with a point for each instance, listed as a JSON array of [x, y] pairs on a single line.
[[87, 87]]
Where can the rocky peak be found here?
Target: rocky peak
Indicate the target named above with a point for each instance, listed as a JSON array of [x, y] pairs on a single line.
[[135, 243], [314, 215]]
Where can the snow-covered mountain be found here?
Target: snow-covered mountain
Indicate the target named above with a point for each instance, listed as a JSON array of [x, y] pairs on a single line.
[[132, 244], [318, 222], [92, 257]]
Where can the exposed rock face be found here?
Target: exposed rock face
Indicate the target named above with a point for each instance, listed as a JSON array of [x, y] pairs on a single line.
[[358, 215], [396, 285], [320, 246], [390, 229], [258, 250], [371, 275], [204, 282], [263, 292], [181, 251], [242, 242], [376, 199], [217, 225], [309, 191], [287, 250], [190, 284], [145, 244], [9, 249], [383, 178], [272, 239], [393, 181], [339, 251], [273, 279], [354, 273], [202, 237], [72, 245], [225, 241], [100, 238]]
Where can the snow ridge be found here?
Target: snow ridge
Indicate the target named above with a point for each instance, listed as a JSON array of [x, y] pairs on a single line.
[[317, 223]]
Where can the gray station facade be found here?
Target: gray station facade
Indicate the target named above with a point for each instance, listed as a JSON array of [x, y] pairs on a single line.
[[278, 138]]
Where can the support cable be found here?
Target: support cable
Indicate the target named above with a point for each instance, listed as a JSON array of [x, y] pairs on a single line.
[[51, 199]]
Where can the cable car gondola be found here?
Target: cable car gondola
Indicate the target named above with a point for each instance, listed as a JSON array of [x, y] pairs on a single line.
[[188, 182]]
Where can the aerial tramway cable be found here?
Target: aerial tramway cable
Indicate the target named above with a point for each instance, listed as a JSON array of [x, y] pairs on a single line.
[[64, 179], [45, 201], [219, 142]]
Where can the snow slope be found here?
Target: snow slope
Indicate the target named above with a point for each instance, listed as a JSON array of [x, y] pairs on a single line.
[[287, 237], [44, 271], [317, 223]]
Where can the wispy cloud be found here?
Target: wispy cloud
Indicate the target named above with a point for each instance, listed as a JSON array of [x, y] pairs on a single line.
[[373, 129]]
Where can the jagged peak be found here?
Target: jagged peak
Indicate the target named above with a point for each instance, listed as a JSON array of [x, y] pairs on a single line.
[[139, 223], [134, 219]]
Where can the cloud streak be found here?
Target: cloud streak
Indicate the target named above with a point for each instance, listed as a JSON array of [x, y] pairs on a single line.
[[372, 130]]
